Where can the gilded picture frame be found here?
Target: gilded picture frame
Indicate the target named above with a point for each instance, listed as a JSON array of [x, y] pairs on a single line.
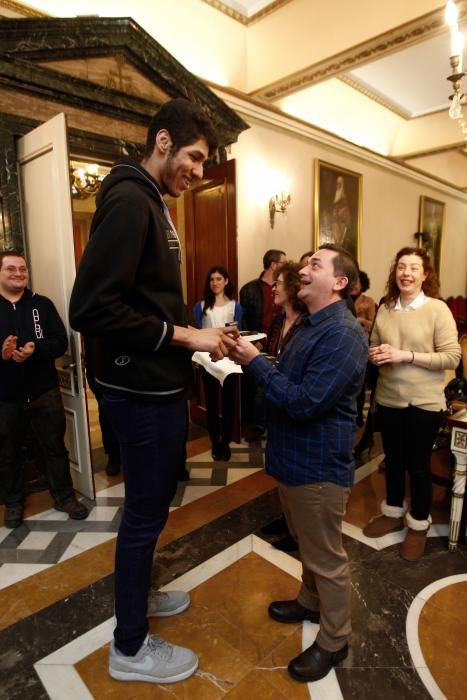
[[337, 207], [431, 225]]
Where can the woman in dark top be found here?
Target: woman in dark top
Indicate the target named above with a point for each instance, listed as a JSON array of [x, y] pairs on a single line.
[[287, 284]]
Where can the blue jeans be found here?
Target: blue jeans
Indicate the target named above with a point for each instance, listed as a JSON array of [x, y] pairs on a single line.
[[152, 439]]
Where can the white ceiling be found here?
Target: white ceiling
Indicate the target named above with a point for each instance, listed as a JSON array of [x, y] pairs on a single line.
[[412, 79], [247, 8]]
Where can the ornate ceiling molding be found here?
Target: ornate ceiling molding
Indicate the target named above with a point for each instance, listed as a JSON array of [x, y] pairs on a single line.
[[376, 97], [238, 17], [406, 35], [259, 112], [22, 10], [452, 147]]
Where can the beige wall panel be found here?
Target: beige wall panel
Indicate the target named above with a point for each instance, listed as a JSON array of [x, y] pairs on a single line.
[[25, 105], [389, 214], [112, 72], [294, 32], [426, 133], [451, 166]]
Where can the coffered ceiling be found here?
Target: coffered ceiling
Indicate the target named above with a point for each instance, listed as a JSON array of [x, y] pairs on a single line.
[[373, 73]]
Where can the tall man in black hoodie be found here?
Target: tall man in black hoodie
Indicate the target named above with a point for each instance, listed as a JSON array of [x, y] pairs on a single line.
[[128, 300], [32, 336]]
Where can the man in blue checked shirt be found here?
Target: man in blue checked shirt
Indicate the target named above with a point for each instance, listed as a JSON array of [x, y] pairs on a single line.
[[311, 407]]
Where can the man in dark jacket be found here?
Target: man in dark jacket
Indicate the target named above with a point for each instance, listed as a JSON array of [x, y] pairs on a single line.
[[128, 300], [259, 310], [257, 296], [32, 337]]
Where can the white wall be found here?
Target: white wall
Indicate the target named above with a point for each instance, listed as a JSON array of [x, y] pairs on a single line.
[[389, 214]]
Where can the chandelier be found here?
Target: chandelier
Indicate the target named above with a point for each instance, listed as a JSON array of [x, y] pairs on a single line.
[[458, 98], [85, 180]]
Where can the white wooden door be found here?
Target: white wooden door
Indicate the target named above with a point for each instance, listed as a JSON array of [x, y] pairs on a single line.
[[43, 169]]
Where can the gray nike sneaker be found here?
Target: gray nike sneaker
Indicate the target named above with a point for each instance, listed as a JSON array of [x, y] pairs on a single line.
[[157, 661], [166, 603]]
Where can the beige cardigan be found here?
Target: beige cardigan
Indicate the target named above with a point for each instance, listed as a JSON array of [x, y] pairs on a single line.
[[431, 329]]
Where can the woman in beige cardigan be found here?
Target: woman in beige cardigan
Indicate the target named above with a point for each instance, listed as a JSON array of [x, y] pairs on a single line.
[[413, 341]]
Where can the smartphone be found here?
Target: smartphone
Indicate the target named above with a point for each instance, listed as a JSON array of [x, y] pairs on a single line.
[[232, 329]]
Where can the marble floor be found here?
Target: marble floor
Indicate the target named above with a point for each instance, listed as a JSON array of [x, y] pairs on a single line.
[[409, 635]]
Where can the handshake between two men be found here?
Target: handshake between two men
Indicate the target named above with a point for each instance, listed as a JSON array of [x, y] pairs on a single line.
[[219, 342]]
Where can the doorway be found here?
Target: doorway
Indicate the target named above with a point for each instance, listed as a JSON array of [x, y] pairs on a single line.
[[85, 179], [211, 239]]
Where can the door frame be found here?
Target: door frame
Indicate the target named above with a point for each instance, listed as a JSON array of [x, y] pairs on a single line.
[[212, 177], [45, 195]]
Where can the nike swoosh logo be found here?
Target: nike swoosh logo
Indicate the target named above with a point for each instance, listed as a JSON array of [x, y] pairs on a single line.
[[145, 665]]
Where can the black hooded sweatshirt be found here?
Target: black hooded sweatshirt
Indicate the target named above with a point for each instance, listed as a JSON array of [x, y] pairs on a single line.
[[32, 318], [128, 292]]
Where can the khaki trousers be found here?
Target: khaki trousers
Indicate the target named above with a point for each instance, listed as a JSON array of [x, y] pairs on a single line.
[[314, 515]]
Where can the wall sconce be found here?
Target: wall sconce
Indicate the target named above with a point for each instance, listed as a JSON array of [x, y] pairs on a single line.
[[278, 204], [85, 181]]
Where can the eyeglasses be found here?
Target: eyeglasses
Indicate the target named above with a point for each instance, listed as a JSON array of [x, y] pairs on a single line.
[[12, 268]]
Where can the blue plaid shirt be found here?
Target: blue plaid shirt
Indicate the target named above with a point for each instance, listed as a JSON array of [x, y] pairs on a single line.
[[311, 399]]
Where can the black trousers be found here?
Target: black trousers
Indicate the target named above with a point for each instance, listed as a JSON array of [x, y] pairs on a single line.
[[109, 440], [408, 436], [45, 417], [219, 427]]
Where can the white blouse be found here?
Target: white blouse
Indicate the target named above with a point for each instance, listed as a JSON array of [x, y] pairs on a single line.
[[218, 316]]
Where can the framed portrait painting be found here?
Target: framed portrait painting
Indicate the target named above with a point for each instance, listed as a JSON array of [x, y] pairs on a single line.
[[338, 203], [431, 225]]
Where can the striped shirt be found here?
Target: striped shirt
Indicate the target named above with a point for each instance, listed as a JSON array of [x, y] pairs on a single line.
[[311, 399]]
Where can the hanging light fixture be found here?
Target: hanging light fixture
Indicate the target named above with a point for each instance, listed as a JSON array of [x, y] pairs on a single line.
[[85, 180], [458, 98]]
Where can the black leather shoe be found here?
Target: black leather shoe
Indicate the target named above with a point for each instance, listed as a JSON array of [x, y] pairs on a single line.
[[112, 468], [315, 663], [225, 451], [75, 509], [216, 452], [13, 516], [286, 544], [184, 475], [291, 611], [277, 527]]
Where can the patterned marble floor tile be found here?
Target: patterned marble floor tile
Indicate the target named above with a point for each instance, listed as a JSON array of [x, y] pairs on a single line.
[[205, 457], [117, 491], [11, 573], [234, 475], [4, 532], [85, 540], [102, 514], [201, 472], [192, 493], [50, 514], [37, 540]]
